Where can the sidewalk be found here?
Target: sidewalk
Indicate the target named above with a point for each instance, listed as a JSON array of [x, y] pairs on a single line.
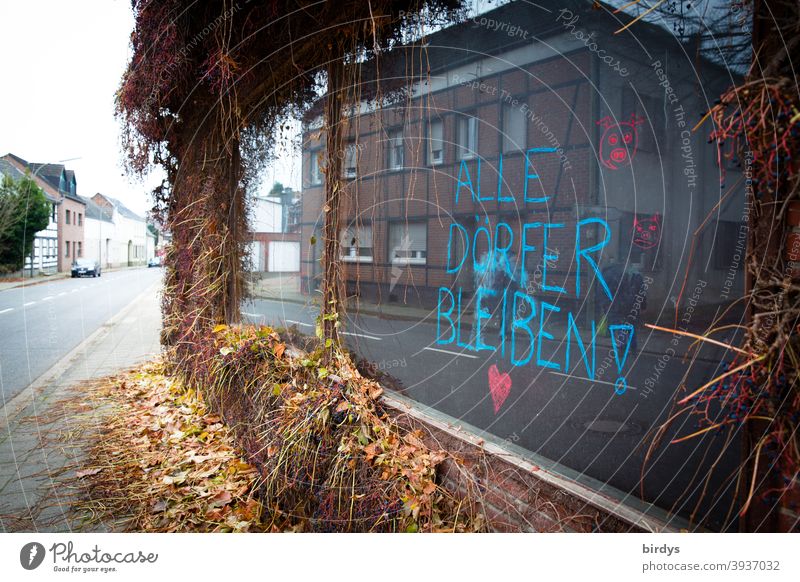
[[31, 450], [27, 281]]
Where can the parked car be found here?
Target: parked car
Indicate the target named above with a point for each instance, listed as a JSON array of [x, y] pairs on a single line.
[[85, 268], [154, 262]]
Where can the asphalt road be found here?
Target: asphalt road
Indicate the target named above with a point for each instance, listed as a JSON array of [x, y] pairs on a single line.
[[563, 416], [40, 324]]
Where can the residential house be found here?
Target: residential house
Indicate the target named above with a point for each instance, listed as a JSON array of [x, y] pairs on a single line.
[[489, 118], [99, 231], [123, 242], [275, 245], [44, 256], [151, 242], [126, 245], [59, 184], [538, 180]]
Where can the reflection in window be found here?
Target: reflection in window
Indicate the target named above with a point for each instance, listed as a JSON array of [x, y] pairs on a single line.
[[351, 161], [641, 239], [315, 174], [467, 137], [651, 133], [436, 143], [408, 243], [356, 244], [515, 129], [396, 150], [730, 244]]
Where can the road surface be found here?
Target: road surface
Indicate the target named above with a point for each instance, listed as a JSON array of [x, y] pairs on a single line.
[[579, 423], [40, 324]]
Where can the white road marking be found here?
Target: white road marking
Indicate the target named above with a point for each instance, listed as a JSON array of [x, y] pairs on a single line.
[[62, 293], [573, 377], [48, 298], [450, 353], [7, 310], [29, 303], [252, 314], [372, 337]]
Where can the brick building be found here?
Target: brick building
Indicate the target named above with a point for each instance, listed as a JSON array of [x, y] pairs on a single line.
[[534, 150], [525, 97]]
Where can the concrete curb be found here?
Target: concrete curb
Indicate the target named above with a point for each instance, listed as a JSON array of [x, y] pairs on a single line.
[[11, 409]]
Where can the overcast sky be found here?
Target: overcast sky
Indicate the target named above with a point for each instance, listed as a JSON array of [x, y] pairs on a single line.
[[61, 66]]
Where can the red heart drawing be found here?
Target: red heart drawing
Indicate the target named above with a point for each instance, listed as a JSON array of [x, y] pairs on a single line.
[[499, 386]]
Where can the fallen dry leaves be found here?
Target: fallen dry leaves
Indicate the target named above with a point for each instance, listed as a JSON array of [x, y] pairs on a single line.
[[163, 462]]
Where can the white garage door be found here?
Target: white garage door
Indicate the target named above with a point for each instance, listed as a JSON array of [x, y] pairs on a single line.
[[284, 257]]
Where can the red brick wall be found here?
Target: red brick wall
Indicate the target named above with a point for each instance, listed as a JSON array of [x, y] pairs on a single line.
[[72, 232], [380, 195]]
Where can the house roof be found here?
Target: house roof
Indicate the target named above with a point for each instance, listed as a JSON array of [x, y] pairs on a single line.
[[490, 34], [121, 208], [97, 212], [9, 169], [48, 173], [17, 167]]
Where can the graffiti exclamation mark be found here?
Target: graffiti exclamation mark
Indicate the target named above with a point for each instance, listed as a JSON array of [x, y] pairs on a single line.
[[618, 332]]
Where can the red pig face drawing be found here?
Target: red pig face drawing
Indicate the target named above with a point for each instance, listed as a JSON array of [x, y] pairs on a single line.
[[646, 231], [619, 141]]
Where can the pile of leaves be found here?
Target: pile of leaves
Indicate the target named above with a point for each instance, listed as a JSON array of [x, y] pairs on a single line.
[[162, 462], [330, 457]]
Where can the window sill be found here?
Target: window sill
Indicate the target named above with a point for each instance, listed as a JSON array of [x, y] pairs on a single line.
[[408, 261], [356, 259]]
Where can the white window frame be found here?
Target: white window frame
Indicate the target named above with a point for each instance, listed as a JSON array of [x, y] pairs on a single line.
[[350, 169], [467, 137], [315, 173], [396, 144], [432, 160], [417, 256], [349, 253]]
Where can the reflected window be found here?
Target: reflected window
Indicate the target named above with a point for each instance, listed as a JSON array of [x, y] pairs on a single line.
[[435, 142], [315, 173], [356, 244], [408, 243], [515, 129], [396, 150], [467, 137], [351, 161]]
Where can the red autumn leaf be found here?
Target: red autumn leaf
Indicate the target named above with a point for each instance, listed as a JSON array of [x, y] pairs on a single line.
[[221, 499]]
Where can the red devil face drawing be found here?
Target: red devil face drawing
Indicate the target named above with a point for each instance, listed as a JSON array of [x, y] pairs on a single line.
[[646, 231], [619, 141]]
